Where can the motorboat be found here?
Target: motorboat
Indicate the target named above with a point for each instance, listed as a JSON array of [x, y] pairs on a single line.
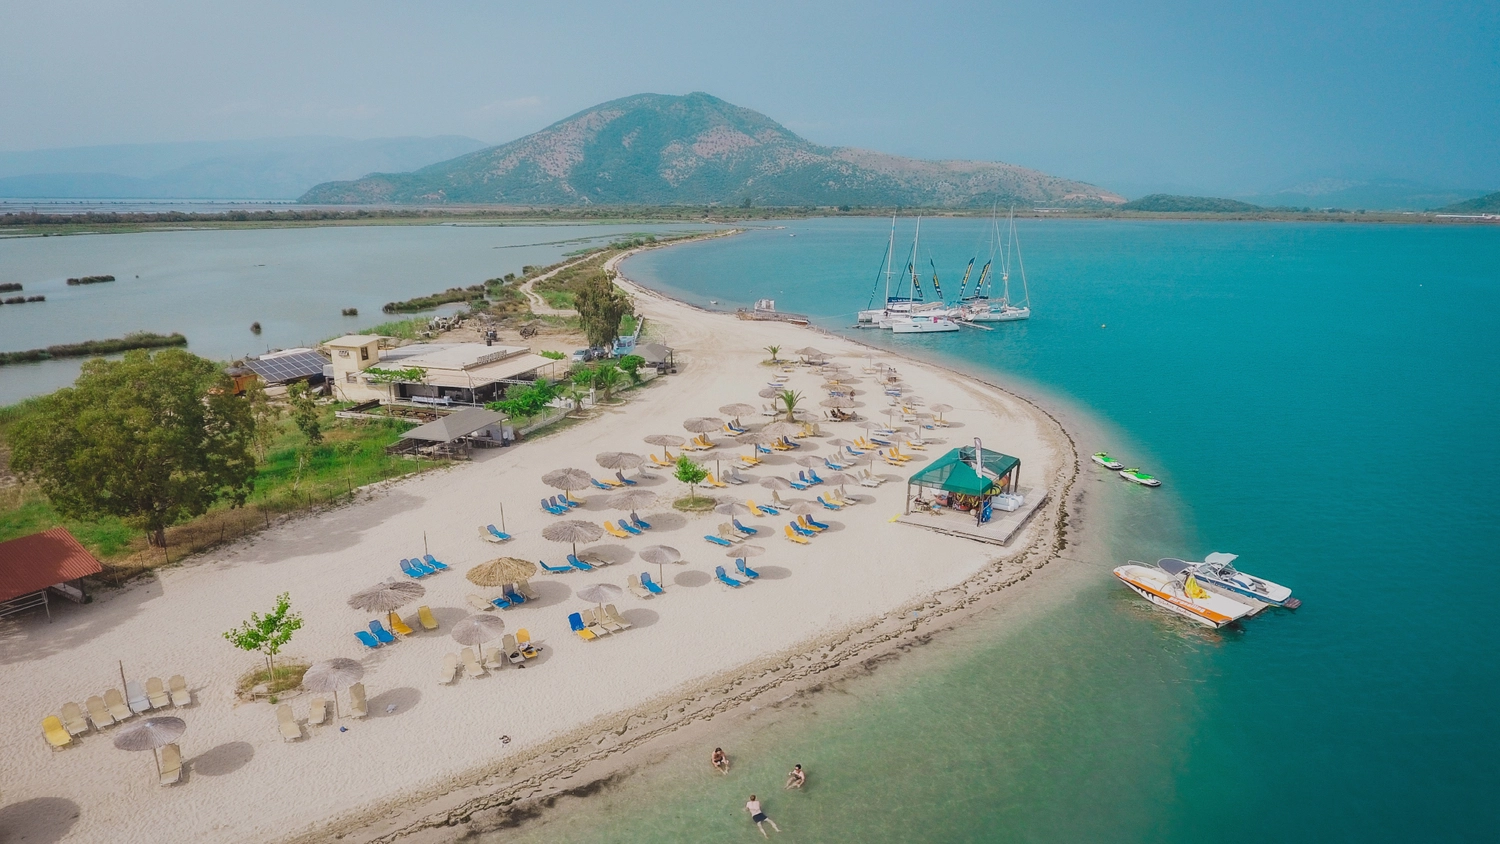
[[1217, 573], [1181, 594], [1103, 459], [1136, 476]]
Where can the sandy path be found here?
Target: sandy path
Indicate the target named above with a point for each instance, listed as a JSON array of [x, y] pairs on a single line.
[[538, 304], [245, 784]]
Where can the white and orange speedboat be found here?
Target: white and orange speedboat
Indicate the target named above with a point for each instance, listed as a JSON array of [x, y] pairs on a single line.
[[1182, 595]]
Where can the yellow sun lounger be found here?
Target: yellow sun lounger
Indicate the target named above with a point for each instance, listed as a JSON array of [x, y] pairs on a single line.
[[790, 534], [714, 482], [424, 616], [398, 626], [57, 735], [615, 532]]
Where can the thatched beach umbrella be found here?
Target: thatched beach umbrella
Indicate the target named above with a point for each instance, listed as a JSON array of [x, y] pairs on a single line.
[[810, 461], [661, 555], [332, 675], [630, 499], [738, 409], [666, 441], [804, 508], [940, 409], [618, 459], [732, 508], [808, 351], [568, 479], [151, 734], [841, 402], [572, 531], [776, 482], [704, 424], [743, 551], [501, 571], [387, 597], [599, 593], [769, 392], [477, 629]]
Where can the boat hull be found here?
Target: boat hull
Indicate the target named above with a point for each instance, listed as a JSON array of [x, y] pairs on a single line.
[[1214, 612], [1142, 481], [1006, 315], [1107, 463]]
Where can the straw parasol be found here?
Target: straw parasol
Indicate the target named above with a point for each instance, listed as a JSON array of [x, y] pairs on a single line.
[[769, 393], [629, 499], [500, 571], [940, 409], [331, 675], [744, 551], [151, 734], [704, 424], [665, 440], [808, 351], [839, 479], [738, 409], [732, 508], [661, 555], [598, 593], [387, 597], [810, 461], [780, 429], [840, 442], [804, 508], [478, 629], [776, 482], [618, 459], [572, 531], [842, 402], [568, 479]]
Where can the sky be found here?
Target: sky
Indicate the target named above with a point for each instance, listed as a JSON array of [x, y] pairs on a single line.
[[1228, 97]]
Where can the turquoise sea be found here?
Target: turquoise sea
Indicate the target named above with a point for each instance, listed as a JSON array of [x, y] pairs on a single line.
[[1319, 399]]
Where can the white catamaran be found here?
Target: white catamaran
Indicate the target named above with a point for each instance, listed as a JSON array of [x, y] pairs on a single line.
[[907, 314], [982, 306]]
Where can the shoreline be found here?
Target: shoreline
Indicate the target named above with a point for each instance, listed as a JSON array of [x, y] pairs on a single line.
[[609, 748]]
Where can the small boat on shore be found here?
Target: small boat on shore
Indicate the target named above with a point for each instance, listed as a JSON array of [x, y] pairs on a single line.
[[1103, 459], [1136, 476], [1217, 573], [1181, 594]]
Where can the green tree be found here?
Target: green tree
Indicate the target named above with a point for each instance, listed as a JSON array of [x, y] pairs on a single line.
[[601, 305], [789, 400], [576, 395], [631, 365], [266, 414], [268, 633], [151, 439], [689, 473], [305, 412], [775, 351], [608, 378]]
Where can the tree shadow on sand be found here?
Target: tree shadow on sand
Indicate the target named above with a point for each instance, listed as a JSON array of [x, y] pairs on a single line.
[[224, 759], [41, 820]]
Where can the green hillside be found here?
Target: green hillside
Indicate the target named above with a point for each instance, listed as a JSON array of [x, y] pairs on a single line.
[[654, 149], [1165, 202], [1488, 204]]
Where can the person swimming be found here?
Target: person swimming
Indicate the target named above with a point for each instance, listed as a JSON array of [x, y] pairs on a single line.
[[720, 760], [758, 816]]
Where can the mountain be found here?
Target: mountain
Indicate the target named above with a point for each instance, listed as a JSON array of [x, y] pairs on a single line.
[[272, 168], [1370, 195], [1170, 203], [654, 149], [1489, 204]]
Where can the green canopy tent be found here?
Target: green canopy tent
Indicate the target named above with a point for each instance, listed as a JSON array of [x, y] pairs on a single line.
[[954, 472]]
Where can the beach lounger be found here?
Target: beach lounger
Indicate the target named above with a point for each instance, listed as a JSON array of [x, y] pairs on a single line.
[[290, 731], [602, 619], [398, 626], [413, 573], [598, 485], [98, 713], [156, 692], [710, 480], [724, 578], [633, 583], [433, 562], [809, 522], [512, 595], [552, 508], [630, 528], [651, 585], [358, 707], [171, 764], [484, 533], [718, 540], [512, 650], [767, 410], [497, 534], [73, 719], [812, 475], [524, 587], [115, 703], [381, 633], [501, 602], [567, 499], [749, 461], [777, 502], [748, 531], [596, 624], [727, 531], [660, 463], [575, 621], [471, 664], [837, 467], [870, 479], [610, 529], [579, 564], [495, 660], [523, 638], [793, 536], [449, 672], [639, 522], [317, 711], [798, 484], [802, 530], [136, 695], [56, 734], [553, 569], [620, 476], [829, 505], [426, 619], [734, 476], [179, 690], [614, 615], [366, 639], [478, 603], [764, 511], [734, 530], [746, 570]]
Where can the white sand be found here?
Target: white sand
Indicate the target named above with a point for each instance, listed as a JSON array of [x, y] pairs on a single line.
[[245, 784]]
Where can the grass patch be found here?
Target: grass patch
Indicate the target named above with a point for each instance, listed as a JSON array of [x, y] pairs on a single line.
[[694, 504], [287, 676], [406, 329]]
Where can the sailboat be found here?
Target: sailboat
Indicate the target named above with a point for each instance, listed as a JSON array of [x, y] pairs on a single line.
[[982, 306], [907, 314]]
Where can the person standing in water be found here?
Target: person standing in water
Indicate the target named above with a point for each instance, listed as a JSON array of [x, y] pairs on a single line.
[[759, 816], [720, 760], [796, 778]]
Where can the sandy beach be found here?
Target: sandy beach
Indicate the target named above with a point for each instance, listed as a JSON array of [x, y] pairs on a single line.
[[430, 757]]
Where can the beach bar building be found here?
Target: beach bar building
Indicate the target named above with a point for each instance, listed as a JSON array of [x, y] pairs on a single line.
[[439, 374], [48, 563], [968, 477], [452, 435]]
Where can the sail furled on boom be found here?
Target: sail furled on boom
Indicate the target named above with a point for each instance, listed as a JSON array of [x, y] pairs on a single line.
[[916, 282], [965, 283], [979, 285], [936, 285]]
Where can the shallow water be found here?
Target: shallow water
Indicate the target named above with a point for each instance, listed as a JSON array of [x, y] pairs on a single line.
[[211, 285], [1319, 399]]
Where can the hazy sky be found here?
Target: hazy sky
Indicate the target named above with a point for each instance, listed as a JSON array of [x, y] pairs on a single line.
[[1226, 97]]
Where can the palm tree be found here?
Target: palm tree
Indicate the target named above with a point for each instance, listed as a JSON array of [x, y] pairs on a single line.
[[790, 399], [576, 394], [607, 378], [774, 350]]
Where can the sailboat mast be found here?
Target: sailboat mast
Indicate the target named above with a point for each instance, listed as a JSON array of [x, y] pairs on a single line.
[[916, 285], [1020, 264], [890, 255]]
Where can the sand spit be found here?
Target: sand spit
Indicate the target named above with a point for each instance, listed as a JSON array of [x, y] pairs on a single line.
[[435, 764]]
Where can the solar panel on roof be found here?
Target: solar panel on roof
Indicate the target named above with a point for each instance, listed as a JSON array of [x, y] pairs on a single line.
[[283, 368]]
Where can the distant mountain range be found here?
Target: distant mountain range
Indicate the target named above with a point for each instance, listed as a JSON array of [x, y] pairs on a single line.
[[1169, 203], [654, 149], [1489, 204], [1372, 195], [274, 168]]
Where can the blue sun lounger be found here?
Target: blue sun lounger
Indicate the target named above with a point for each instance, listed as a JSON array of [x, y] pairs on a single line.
[[651, 586], [366, 639], [413, 573], [595, 482], [725, 579], [827, 505], [497, 533], [743, 529], [510, 593], [767, 511], [802, 531], [760, 449], [381, 633], [434, 563], [719, 540], [579, 564], [501, 603], [630, 528], [797, 484], [554, 569], [746, 570], [552, 508], [815, 523], [812, 475], [567, 500], [639, 522], [620, 476]]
